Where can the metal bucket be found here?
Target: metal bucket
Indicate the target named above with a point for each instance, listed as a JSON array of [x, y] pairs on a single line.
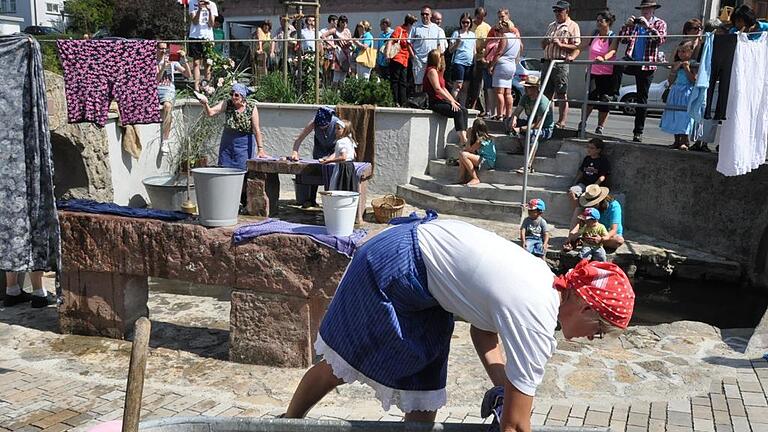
[[241, 424], [168, 192]]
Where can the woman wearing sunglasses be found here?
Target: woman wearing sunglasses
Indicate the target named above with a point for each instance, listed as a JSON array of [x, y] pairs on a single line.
[[241, 128], [463, 49]]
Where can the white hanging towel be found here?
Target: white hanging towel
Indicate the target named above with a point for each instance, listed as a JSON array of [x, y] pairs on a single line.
[[744, 135]]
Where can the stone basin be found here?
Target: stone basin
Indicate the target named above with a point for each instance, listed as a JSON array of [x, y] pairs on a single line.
[[243, 424]]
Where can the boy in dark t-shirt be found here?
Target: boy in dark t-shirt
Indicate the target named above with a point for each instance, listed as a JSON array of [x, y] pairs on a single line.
[[594, 169]]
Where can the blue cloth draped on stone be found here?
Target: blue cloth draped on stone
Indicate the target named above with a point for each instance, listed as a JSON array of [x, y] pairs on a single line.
[[29, 226], [384, 328], [343, 245], [89, 206]]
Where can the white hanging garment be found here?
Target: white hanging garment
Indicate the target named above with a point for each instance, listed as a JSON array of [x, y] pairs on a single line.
[[744, 135]]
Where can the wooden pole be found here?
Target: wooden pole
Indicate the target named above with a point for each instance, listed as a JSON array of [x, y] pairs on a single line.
[[135, 386], [285, 46]]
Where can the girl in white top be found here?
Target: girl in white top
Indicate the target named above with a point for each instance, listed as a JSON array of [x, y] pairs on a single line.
[[345, 144]]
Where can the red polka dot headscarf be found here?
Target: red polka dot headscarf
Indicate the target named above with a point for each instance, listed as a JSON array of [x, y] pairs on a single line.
[[605, 287]]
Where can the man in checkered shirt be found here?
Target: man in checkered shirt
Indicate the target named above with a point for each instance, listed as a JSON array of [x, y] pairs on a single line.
[[643, 35]]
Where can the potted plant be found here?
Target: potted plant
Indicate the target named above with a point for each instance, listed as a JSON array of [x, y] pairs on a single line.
[[195, 144]]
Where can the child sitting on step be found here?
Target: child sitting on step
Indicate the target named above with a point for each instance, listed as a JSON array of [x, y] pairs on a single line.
[[481, 154], [534, 231], [592, 235]]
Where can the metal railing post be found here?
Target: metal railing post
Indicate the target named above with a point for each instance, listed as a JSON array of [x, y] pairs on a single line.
[[585, 105], [530, 123]]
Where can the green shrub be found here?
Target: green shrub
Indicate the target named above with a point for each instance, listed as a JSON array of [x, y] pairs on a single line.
[[50, 52], [359, 91], [272, 88], [329, 97]]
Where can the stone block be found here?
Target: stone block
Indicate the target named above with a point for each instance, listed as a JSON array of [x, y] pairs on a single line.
[[269, 329], [289, 265], [101, 304], [258, 202]]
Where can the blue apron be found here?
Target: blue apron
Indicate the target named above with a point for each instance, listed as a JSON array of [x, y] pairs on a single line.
[[235, 148], [383, 322]]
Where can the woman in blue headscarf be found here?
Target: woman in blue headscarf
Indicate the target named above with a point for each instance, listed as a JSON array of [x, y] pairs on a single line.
[[241, 128], [324, 125]]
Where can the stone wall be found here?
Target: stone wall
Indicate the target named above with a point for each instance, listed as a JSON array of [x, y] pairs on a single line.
[[282, 284], [680, 197], [406, 139], [80, 151]]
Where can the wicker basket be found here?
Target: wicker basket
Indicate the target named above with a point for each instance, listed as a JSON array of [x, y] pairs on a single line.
[[387, 207]]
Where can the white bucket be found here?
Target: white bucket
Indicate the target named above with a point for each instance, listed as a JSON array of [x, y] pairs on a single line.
[[339, 211], [218, 195]]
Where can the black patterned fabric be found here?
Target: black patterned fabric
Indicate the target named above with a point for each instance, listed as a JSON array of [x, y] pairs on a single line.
[[29, 227]]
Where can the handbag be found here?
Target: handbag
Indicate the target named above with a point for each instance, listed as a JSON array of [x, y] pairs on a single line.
[[367, 57], [418, 101], [392, 51]]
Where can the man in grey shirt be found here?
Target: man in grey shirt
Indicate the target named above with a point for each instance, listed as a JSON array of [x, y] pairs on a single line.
[[424, 37]]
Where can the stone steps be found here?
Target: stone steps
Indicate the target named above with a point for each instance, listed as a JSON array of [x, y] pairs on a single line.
[[439, 168], [502, 211], [514, 145], [562, 162], [558, 204], [497, 127], [500, 195]]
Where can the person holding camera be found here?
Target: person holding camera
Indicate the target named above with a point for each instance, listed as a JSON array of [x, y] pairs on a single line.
[[166, 89], [643, 35], [204, 14]]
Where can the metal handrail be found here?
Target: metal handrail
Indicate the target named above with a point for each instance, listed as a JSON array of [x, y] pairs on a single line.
[[530, 149], [531, 117]]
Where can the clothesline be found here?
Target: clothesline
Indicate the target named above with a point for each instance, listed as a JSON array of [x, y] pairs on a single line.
[[178, 41]]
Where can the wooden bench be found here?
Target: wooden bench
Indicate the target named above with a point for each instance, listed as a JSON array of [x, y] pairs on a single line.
[[263, 184]]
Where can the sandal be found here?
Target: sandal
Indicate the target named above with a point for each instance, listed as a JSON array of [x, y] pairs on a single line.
[[560, 126], [521, 170]]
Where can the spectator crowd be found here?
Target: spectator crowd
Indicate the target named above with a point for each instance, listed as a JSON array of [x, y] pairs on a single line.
[[475, 67]]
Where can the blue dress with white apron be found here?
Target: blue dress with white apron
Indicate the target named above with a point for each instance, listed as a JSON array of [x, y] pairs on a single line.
[[384, 328]]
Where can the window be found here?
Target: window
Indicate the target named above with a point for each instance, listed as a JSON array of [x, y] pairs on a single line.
[[7, 6], [52, 7]]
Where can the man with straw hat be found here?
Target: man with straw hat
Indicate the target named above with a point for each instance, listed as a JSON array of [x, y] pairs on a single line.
[[390, 322], [643, 35], [610, 214]]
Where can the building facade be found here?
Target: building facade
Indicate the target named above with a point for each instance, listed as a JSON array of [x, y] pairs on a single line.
[[48, 13]]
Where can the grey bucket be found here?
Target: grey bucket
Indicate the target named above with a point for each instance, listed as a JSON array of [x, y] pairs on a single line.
[[218, 195], [242, 424], [168, 192]]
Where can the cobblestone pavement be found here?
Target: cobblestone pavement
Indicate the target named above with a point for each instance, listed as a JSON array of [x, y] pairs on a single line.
[[671, 377], [675, 377]]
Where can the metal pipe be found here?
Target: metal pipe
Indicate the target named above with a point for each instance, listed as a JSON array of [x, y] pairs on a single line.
[[585, 107], [530, 123], [633, 105]]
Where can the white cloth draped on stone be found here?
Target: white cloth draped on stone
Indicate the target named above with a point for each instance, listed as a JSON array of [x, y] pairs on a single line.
[[29, 226]]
